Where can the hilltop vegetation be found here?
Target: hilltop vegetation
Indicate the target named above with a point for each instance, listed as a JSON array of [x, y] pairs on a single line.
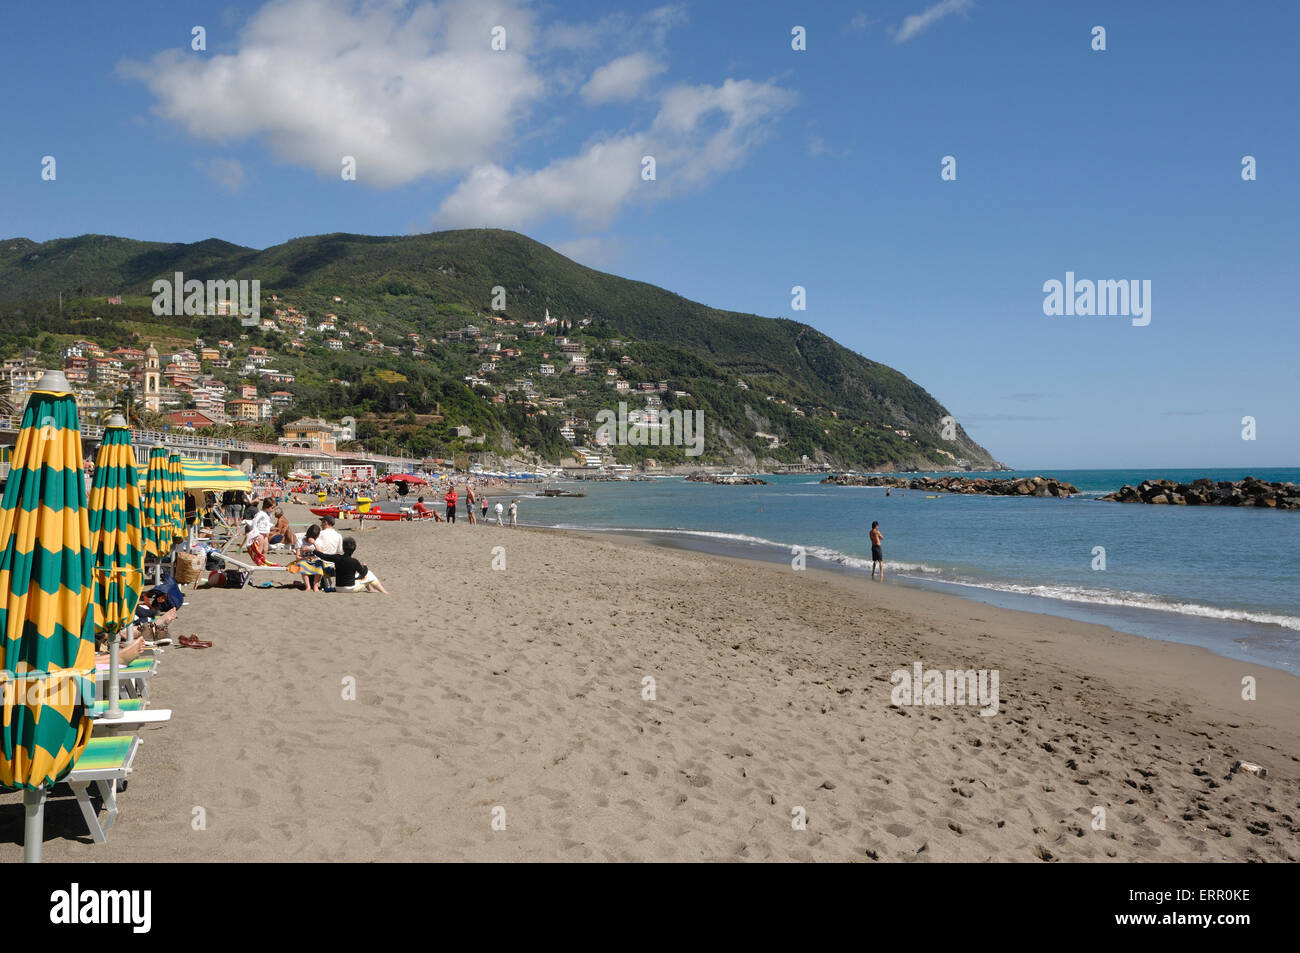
[[807, 394]]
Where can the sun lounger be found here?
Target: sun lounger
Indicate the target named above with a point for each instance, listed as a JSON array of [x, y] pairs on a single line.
[[248, 567], [134, 714], [104, 762], [133, 678]]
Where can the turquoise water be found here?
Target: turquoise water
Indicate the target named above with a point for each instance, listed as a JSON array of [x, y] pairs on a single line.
[[1224, 578]]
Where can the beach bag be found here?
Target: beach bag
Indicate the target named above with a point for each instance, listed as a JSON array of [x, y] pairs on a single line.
[[235, 579], [188, 567], [172, 591]]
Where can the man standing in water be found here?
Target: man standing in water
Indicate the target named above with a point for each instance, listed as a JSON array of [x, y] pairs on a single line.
[[877, 554]]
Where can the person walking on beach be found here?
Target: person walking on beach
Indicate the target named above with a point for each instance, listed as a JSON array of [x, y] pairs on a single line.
[[450, 500], [877, 553], [514, 514], [498, 510], [485, 505], [469, 502]]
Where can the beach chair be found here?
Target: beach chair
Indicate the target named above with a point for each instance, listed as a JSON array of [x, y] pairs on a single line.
[[135, 713], [104, 762], [133, 678], [248, 568]]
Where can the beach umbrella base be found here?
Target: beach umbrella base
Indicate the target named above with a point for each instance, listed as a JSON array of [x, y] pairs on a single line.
[[33, 824], [114, 677]]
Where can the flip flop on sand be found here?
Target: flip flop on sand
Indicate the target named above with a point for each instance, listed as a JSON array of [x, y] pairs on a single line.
[[193, 642]]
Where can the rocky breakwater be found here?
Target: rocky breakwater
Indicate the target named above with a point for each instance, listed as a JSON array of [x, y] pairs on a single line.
[[1247, 492], [726, 479], [1027, 486]]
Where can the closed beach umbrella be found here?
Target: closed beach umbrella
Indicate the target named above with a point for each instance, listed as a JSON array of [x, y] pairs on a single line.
[[116, 543], [47, 647], [157, 531], [176, 494]]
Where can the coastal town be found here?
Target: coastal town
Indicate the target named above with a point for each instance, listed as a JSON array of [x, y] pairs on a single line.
[[559, 376], [231, 389]]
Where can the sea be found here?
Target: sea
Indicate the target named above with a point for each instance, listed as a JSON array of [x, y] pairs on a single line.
[[1223, 578]]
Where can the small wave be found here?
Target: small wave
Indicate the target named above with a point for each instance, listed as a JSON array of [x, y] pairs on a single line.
[[1079, 594], [1133, 600]]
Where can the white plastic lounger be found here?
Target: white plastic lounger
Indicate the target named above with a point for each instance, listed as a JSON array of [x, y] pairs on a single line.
[[133, 679], [135, 713], [104, 762], [249, 568]]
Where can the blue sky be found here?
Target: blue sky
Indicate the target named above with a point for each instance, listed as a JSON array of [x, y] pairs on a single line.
[[775, 168]]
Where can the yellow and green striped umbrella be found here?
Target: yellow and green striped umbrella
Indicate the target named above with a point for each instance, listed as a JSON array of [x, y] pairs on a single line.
[[116, 539], [116, 542], [176, 494], [47, 648], [157, 530]]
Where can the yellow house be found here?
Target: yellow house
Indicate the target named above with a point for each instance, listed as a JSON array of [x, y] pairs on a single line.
[[309, 433]]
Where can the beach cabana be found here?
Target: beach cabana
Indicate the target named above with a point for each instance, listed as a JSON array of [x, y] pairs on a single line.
[[116, 544], [47, 645]]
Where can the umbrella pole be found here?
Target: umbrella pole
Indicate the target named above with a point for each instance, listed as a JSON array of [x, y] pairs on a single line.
[[114, 676], [34, 827]]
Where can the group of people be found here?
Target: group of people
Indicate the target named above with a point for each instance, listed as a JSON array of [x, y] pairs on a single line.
[[268, 527], [451, 500], [322, 556], [327, 561]]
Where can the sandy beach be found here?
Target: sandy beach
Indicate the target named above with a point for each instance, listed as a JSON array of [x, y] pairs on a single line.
[[524, 689]]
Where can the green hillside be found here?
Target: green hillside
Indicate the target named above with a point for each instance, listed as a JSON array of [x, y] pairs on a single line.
[[811, 395]]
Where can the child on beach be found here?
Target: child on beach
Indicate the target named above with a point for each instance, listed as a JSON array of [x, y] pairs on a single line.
[[350, 573], [308, 563]]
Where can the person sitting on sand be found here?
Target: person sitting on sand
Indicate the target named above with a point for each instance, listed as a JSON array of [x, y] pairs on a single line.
[[349, 573], [283, 532], [309, 564]]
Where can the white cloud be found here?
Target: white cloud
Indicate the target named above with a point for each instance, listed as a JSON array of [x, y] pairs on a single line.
[[227, 173], [919, 22], [411, 91], [699, 132], [860, 21], [623, 78]]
